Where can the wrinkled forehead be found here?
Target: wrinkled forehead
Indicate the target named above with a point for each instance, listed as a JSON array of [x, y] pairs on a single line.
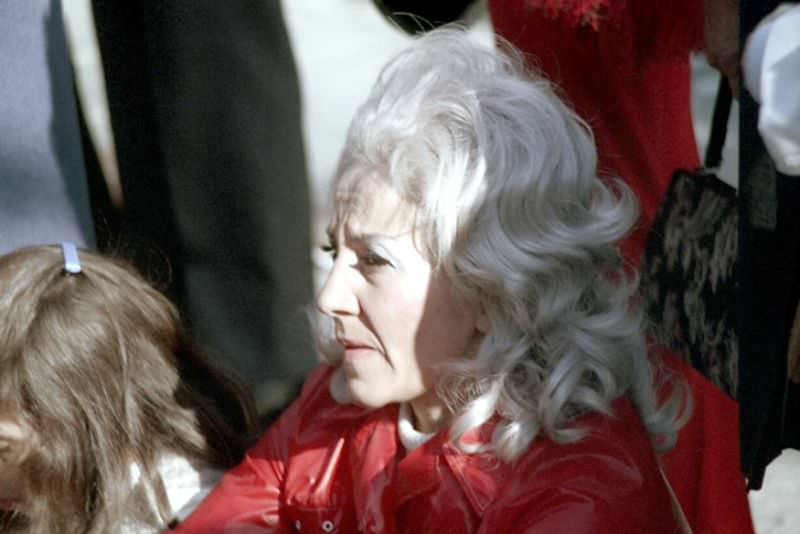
[[367, 204]]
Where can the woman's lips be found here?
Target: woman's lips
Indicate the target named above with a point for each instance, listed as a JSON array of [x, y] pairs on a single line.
[[354, 353], [356, 349], [8, 504]]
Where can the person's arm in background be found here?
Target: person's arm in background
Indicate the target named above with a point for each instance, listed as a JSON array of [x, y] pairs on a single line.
[[771, 65], [721, 32], [44, 195]]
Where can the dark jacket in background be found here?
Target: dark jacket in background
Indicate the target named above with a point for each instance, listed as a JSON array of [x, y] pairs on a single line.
[[205, 109]]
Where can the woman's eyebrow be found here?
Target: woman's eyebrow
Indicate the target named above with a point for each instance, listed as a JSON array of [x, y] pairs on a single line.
[[377, 238], [355, 235]]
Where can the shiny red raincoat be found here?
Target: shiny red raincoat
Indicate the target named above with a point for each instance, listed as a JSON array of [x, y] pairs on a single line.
[[326, 467]]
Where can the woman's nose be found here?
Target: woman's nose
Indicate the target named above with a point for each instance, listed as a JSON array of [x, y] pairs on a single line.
[[14, 444], [337, 296]]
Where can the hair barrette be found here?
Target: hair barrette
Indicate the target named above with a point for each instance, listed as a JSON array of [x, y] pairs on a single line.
[[72, 264]]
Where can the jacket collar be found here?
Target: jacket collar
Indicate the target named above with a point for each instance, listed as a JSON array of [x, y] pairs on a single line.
[[384, 479]]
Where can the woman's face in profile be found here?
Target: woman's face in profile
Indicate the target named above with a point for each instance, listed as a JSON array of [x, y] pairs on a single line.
[[14, 439], [395, 317]]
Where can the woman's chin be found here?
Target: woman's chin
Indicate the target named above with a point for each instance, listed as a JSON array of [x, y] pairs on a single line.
[[354, 390]]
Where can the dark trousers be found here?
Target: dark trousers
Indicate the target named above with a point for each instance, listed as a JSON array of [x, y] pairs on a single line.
[[769, 287], [205, 110]]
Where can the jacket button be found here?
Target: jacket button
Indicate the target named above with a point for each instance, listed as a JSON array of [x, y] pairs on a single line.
[[298, 526], [327, 526]]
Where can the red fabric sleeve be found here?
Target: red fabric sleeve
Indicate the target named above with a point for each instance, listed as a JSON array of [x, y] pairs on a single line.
[[249, 496]]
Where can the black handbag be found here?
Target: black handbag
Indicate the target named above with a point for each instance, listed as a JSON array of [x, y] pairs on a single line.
[[688, 268]]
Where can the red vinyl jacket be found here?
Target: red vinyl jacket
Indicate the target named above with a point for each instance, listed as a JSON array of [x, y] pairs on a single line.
[[326, 467]]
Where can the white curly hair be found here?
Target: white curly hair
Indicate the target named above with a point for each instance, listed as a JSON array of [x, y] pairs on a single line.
[[503, 178]]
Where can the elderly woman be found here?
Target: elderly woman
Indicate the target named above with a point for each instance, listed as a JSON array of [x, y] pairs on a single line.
[[487, 372]]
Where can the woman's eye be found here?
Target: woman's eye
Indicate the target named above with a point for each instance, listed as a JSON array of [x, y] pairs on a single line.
[[374, 260], [330, 249]]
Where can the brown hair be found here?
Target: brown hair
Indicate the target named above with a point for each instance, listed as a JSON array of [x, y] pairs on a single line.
[[101, 369]]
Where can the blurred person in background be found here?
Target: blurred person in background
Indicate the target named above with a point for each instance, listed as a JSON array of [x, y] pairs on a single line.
[[205, 112], [769, 236], [44, 196]]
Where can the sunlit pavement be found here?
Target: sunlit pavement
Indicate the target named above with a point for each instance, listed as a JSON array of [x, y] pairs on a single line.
[[776, 507]]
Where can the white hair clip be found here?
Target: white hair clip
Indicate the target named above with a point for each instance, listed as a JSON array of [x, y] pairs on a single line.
[[72, 264]]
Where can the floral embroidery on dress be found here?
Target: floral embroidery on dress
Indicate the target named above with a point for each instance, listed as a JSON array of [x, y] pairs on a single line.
[[575, 12]]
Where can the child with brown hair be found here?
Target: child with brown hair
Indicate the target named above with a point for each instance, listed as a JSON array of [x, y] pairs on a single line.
[[111, 420]]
